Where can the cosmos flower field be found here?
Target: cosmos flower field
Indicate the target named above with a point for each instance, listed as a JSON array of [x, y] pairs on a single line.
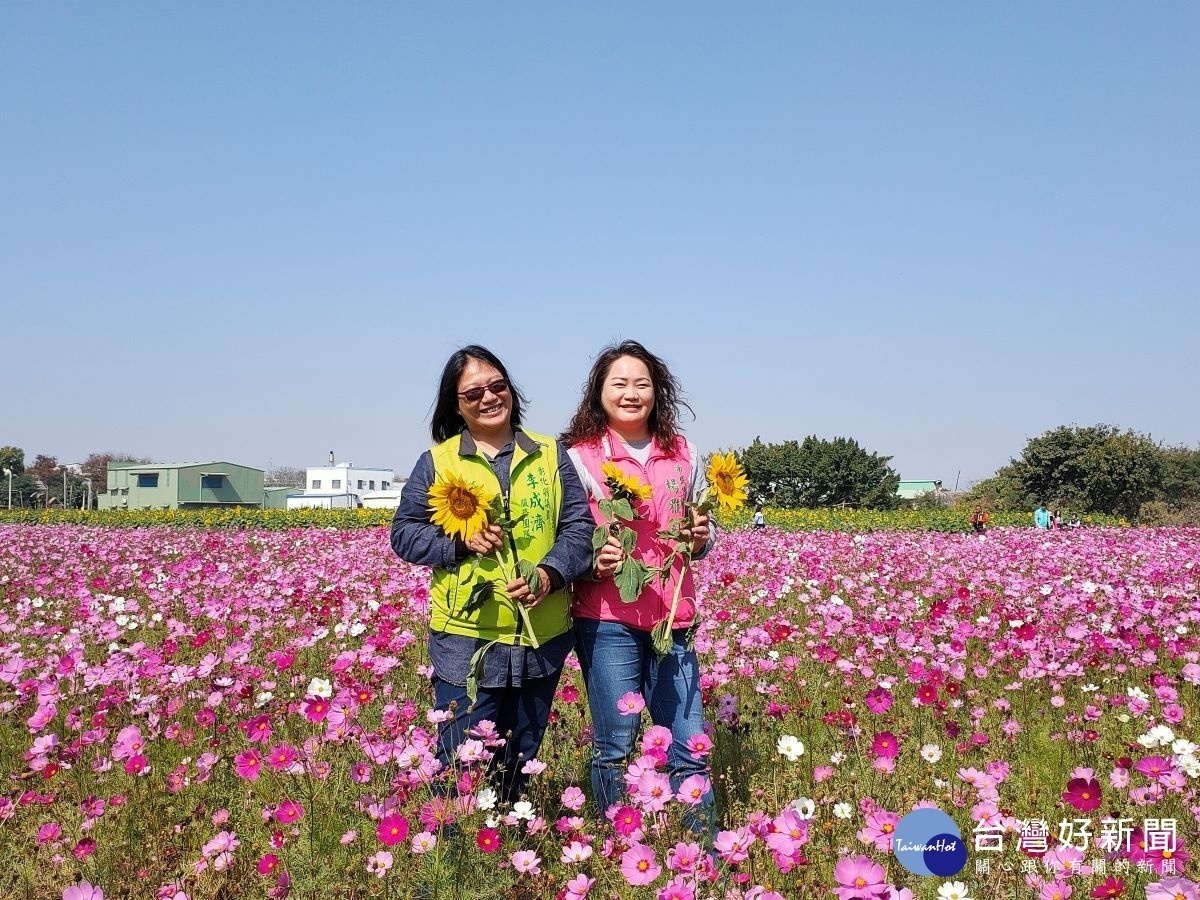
[[189, 713]]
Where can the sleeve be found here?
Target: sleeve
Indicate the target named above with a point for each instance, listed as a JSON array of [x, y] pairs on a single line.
[[698, 485], [415, 539], [571, 555]]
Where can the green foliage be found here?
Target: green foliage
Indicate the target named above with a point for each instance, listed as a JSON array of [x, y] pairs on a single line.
[[1096, 469], [12, 458], [819, 473], [1161, 513], [1181, 476], [1001, 492]]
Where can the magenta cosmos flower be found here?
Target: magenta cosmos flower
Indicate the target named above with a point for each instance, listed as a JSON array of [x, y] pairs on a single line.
[[392, 830], [83, 891], [1083, 794]]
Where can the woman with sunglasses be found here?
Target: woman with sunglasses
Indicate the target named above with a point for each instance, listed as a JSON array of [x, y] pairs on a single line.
[[628, 418], [480, 441]]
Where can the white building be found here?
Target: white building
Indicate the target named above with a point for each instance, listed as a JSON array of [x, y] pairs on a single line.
[[347, 478]]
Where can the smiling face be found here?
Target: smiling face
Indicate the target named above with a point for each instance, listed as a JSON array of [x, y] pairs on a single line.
[[627, 397], [490, 414]]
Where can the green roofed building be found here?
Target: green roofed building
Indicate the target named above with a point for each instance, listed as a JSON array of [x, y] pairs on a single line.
[[181, 485], [911, 490]]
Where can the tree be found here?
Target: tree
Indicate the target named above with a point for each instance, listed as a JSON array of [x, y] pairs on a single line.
[[43, 468], [1181, 476], [819, 472], [284, 476], [12, 458], [1098, 468]]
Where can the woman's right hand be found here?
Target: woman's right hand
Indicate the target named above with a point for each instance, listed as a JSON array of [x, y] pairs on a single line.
[[608, 558], [485, 540]]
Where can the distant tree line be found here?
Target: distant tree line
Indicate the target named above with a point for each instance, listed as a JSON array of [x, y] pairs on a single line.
[[1099, 469]]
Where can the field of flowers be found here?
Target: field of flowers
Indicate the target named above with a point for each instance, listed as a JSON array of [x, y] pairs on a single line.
[[949, 519], [190, 713]]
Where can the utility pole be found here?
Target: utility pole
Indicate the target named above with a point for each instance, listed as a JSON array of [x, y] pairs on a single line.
[[9, 473]]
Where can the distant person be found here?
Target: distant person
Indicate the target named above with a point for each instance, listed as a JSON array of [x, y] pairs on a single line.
[[760, 521], [1041, 518], [1075, 523], [1055, 520], [979, 520]]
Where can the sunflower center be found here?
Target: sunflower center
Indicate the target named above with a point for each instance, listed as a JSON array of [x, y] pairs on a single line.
[[462, 503]]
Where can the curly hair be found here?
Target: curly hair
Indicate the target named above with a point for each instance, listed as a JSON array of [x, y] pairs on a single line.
[[590, 422]]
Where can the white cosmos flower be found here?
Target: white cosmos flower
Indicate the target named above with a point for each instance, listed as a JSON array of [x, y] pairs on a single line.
[[1137, 692], [321, 687], [805, 808], [953, 890], [843, 810], [523, 809], [486, 799], [931, 753], [790, 747]]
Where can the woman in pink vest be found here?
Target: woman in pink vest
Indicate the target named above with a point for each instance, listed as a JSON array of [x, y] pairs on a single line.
[[628, 417]]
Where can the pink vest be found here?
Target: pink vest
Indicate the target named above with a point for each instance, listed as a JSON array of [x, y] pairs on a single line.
[[669, 478]]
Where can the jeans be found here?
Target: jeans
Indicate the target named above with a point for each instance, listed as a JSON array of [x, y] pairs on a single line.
[[520, 713], [616, 659]]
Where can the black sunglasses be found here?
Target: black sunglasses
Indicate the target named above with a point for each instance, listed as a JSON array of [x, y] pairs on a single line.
[[475, 394]]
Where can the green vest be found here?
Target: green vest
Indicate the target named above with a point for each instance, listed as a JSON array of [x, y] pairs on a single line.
[[535, 493]]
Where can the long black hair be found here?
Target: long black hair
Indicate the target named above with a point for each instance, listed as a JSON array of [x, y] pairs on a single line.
[[590, 422], [447, 421]]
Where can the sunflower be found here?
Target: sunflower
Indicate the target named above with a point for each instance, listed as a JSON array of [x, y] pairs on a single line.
[[459, 506], [622, 483], [727, 480]]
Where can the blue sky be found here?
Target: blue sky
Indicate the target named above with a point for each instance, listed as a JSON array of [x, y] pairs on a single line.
[[254, 232]]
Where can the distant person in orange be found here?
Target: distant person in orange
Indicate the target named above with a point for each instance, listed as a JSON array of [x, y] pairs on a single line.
[[979, 520]]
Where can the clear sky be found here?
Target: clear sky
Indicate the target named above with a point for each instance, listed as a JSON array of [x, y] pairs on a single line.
[[254, 232]]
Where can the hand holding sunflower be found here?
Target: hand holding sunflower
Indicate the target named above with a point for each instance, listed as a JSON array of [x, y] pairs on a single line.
[[726, 488], [613, 542]]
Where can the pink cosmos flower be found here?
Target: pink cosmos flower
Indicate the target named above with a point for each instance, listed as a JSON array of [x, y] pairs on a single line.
[[282, 758], [1175, 888], [573, 798], [683, 857], [676, 889], [578, 887], [857, 876], [631, 704], [693, 790], [380, 863], [734, 846], [878, 700], [83, 891], [878, 829], [248, 764], [289, 811], [699, 745], [526, 862], [639, 865]]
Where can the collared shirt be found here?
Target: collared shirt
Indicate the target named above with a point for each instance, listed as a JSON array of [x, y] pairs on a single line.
[[417, 540]]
